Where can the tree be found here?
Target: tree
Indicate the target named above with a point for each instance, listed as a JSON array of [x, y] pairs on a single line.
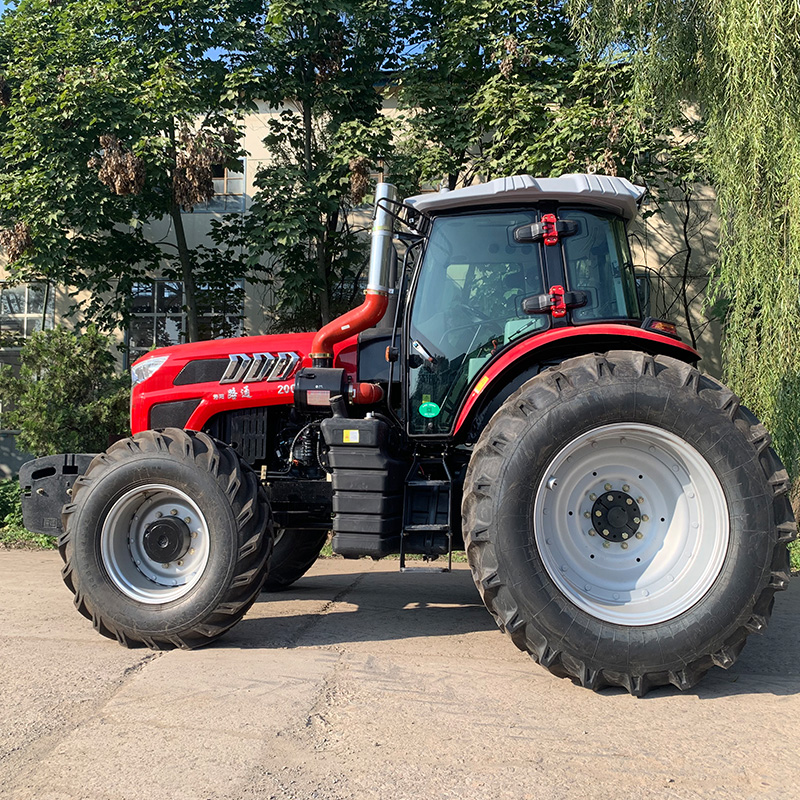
[[502, 89], [740, 64], [479, 80], [319, 64], [113, 114], [67, 397]]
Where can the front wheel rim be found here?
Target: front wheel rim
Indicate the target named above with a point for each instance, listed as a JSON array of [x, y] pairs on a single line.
[[671, 553], [129, 557]]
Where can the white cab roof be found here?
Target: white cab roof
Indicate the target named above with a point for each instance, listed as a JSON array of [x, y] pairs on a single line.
[[614, 194]]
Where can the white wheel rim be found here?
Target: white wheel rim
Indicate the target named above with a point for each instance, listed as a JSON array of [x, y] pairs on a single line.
[[125, 559], [680, 545]]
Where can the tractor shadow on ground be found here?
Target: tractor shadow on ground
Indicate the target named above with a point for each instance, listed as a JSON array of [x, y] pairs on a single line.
[[348, 609]]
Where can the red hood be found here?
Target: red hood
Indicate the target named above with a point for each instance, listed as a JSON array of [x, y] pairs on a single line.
[[213, 397], [300, 343]]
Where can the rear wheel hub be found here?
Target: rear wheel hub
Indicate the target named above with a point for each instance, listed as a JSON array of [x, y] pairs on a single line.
[[616, 516]]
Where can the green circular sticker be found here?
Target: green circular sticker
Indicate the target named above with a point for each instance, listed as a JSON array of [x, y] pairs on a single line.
[[429, 410]]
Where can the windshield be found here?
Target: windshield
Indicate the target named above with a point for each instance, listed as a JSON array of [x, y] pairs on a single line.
[[467, 305]]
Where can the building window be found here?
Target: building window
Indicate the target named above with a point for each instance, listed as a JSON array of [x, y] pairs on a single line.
[[228, 191], [158, 318], [24, 308]]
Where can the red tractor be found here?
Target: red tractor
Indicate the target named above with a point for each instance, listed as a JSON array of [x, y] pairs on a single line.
[[500, 390]]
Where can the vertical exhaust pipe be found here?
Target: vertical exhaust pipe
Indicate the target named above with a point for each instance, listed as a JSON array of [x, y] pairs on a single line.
[[377, 294]]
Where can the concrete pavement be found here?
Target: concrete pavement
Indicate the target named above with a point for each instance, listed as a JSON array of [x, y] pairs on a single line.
[[360, 682]]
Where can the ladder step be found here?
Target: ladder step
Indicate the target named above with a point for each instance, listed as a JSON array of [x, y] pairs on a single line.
[[425, 569], [426, 528], [428, 483]]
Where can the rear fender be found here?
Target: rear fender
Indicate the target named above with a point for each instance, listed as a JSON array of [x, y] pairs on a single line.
[[503, 376]]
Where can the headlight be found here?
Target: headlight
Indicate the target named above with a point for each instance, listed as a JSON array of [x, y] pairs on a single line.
[[144, 369]]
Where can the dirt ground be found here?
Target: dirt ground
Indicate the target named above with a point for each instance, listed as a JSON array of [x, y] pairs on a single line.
[[361, 682]]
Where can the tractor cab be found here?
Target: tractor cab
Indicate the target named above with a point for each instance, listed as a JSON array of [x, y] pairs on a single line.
[[491, 277], [493, 274]]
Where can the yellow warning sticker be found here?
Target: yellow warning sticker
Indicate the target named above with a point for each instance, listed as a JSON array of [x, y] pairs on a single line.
[[350, 437]]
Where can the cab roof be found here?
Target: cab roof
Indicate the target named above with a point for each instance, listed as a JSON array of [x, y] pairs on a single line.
[[618, 195]]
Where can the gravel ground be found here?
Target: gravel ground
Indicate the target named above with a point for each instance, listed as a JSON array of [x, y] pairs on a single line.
[[361, 682]]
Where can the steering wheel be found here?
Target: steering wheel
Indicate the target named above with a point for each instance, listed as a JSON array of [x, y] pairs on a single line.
[[466, 312]]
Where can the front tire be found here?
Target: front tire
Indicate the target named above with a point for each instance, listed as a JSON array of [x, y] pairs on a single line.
[[626, 521], [296, 550], [167, 540]]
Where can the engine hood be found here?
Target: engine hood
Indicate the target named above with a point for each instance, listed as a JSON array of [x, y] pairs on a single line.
[[200, 379]]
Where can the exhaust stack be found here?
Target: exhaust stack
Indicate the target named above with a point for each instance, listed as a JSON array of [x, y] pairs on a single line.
[[377, 294]]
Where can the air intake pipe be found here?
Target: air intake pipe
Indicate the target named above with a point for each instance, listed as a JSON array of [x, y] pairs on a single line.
[[377, 295]]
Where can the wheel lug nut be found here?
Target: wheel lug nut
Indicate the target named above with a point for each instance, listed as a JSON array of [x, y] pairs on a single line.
[[624, 545], [640, 535], [625, 487], [593, 496], [591, 533], [610, 498], [194, 534], [191, 551], [607, 487], [174, 512], [636, 520], [598, 513], [187, 520], [180, 563], [624, 535], [640, 500], [645, 518], [159, 515], [587, 514], [606, 544], [629, 501], [605, 532], [165, 565]]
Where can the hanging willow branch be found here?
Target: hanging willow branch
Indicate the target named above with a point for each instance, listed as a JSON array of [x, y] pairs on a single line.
[[738, 61]]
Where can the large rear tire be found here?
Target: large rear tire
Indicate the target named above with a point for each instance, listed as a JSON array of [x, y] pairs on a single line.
[[626, 521], [167, 540], [296, 550]]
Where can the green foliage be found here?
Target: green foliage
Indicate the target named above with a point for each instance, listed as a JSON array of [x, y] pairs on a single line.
[[112, 115], [478, 84], [320, 64], [740, 64], [12, 532], [67, 397], [10, 506]]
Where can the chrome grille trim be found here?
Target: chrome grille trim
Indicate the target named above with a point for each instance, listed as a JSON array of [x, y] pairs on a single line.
[[261, 367], [285, 366], [237, 366], [246, 368]]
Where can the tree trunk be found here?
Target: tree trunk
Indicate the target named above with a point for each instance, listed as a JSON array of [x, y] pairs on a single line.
[[323, 292], [189, 293], [192, 332]]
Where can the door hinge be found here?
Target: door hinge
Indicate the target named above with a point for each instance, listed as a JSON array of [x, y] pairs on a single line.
[[556, 302], [548, 230]]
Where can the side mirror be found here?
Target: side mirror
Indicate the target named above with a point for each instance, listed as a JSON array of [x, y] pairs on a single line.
[[642, 276]]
